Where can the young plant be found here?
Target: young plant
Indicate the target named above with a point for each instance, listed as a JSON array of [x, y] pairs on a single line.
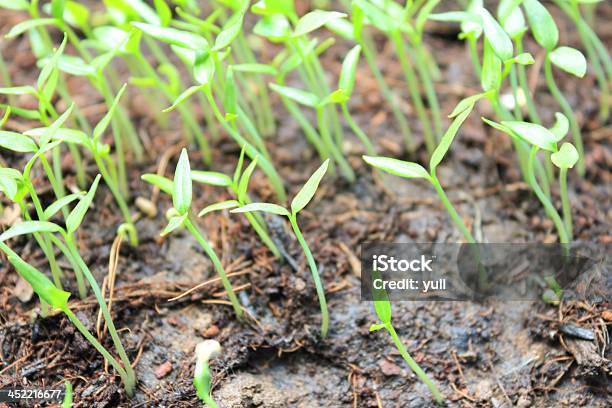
[[412, 170], [181, 202], [541, 138], [301, 200], [382, 306], [205, 351], [67, 402], [58, 299]]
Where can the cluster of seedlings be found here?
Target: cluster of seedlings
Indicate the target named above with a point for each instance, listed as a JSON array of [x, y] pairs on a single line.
[[233, 91]]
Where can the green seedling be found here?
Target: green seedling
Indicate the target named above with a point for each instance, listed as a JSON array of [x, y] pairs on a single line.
[[238, 184], [382, 306], [413, 170], [67, 402], [101, 155], [205, 351], [541, 138], [181, 202], [69, 248], [301, 200]]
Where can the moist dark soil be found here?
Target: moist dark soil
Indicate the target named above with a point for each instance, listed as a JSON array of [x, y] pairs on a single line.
[[489, 354]]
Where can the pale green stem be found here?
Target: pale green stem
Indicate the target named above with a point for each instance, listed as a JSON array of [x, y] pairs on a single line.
[[430, 90], [357, 130], [522, 78], [315, 275], [345, 167], [452, 211], [567, 209], [473, 49], [310, 132]]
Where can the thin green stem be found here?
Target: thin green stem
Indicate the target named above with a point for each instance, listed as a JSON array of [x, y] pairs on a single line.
[[567, 111], [430, 91], [473, 50], [452, 211], [345, 167], [522, 79], [315, 275], [217, 264], [357, 130], [413, 364], [263, 234], [567, 209], [310, 132]]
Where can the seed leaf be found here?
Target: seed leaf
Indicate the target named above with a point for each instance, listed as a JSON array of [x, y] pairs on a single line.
[[524, 58], [569, 60], [561, 126], [398, 167], [513, 23], [51, 210], [103, 124], [17, 142], [499, 40], [566, 157], [238, 168], [174, 223], [244, 180], [298, 95], [212, 178], [173, 36], [223, 205], [181, 195], [28, 25], [29, 227], [447, 139], [303, 197], [9, 187], [253, 68], [466, 103], [51, 66], [65, 134], [265, 207], [203, 68], [78, 213], [183, 96], [230, 32], [491, 68], [542, 24], [18, 90], [275, 28], [163, 183], [349, 68], [454, 16], [14, 4], [44, 288], [163, 12], [534, 134], [230, 103], [314, 20]]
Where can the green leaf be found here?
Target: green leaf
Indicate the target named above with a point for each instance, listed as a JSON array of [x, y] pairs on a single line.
[[29, 227], [173, 36], [64, 134], [238, 168], [265, 207], [534, 134], [253, 68], [203, 68], [230, 32], [542, 24], [466, 103], [50, 134], [383, 310], [9, 187], [183, 96], [212, 178], [163, 183], [163, 12], [454, 16], [26, 25], [244, 180], [498, 126], [18, 90], [377, 327], [349, 68], [78, 212], [77, 15], [14, 4], [303, 197], [398, 167], [74, 65], [338, 96], [104, 122], [566, 157], [314, 20], [24, 113], [223, 205], [491, 77], [524, 58], [51, 66], [174, 223], [10, 173], [17, 142], [358, 17], [342, 28], [424, 14], [514, 22], [181, 195], [561, 126], [275, 28], [447, 139], [285, 7], [51, 210], [57, 8], [499, 40], [297, 95], [569, 60], [230, 103], [44, 288]]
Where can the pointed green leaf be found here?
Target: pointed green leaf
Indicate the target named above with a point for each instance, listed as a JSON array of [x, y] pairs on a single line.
[[78, 212], [14, 5], [542, 24], [51, 65], [9, 187], [223, 205], [26, 25], [183, 96], [174, 223], [534, 134], [51, 131], [181, 195], [447, 139], [377, 327], [466, 103], [244, 180], [561, 126], [524, 58], [230, 103], [104, 122], [173, 36], [303, 197], [212, 178], [51, 210], [397, 167], [265, 207], [314, 20], [514, 22], [491, 77], [238, 169], [65, 134], [17, 142], [163, 183], [203, 68], [18, 90], [499, 40], [569, 60], [29, 227], [163, 12], [566, 157], [253, 68], [349, 68], [229, 33], [275, 28], [297, 95]]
